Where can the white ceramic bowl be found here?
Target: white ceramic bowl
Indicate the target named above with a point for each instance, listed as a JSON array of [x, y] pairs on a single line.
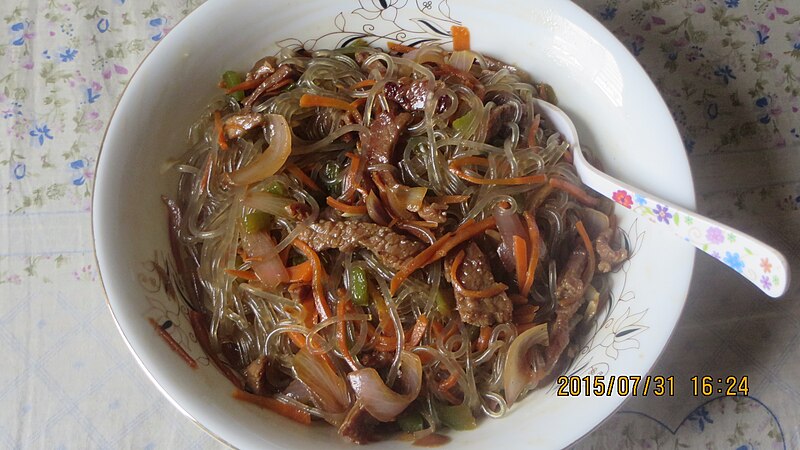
[[616, 109]]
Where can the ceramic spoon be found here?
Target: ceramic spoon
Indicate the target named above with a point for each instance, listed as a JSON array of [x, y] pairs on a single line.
[[758, 262]]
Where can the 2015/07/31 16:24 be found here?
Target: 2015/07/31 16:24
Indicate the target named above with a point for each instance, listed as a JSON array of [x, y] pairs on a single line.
[[655, 385]]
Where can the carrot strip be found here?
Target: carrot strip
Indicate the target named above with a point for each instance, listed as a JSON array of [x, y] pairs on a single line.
[[278, 86], [399, 48], [341, 332], [301, 273], [441, 248], [244, 274], [311, 100], [520, 258], [574, 191], [449, 382], [345, 208], [384, 318], [455, 166], [532, 131], [417, 262], [533, 237], [460, 37], [524, 314], [207, 168], [317, 278], [297, 339], [586, 242], [488, 292], [482, 343], [462, 234], [246, 85], [356, 103], [284, 409], [219, 130], [173, 344], [305, 179], [363, 83], [418, 331]]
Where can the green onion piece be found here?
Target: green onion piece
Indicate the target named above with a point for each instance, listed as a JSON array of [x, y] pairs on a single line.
[[330, 177], [456, 417], [444, 302], [410, 421], [276, 188], [359, 286], [256, 221], [231, 78], [463, 122]]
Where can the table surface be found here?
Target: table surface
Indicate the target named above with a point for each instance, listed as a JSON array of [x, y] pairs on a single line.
[[729, 70]]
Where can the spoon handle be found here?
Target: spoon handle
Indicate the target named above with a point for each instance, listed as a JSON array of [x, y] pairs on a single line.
[[758, 262]]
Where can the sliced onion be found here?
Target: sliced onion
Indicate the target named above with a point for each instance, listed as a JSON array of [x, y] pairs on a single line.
[[269, 203], [519, 369], [328, 389], [462, 60], [270, 160], [404, 198], [509, 224], [267, 265], [376, 211], [298, 391], [381, 402]]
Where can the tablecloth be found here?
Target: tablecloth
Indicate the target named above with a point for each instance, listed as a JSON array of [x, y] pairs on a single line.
[[729, 70]]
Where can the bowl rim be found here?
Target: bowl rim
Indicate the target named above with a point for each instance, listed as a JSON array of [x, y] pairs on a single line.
[[608, 41]]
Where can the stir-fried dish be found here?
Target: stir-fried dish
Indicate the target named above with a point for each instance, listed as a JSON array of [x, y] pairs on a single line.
[[386, 241]]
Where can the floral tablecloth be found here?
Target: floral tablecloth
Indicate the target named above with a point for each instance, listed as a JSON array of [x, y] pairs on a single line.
[[729, 70]]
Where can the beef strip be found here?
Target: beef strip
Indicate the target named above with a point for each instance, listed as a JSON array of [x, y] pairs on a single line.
[[377, 360], [385, 131], [608, 257], [282, 73], [394, 250], [255, 376], [238, 124], [475, 274], [263, 68], [409, 94], [358, 425], [569, 294], [498, 117]]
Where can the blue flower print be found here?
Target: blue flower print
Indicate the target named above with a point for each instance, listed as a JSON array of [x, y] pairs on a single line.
[[639, 199], [91, 95], [19, 33], [662, 214], [18, 170], [103, 25], [726, 73], [77, 167], [40, 133], [700, 415], [608, 13], [732, 3], [157, 23], [68, 55], [734, 261]]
